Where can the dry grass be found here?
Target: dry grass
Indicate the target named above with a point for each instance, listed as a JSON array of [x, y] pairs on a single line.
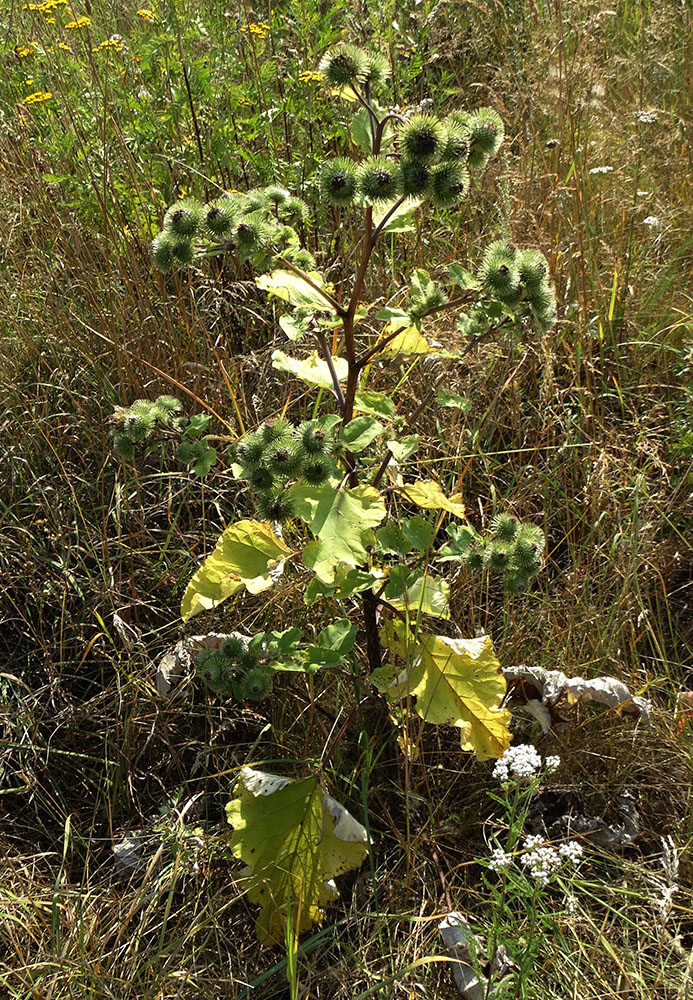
[[575, 431]]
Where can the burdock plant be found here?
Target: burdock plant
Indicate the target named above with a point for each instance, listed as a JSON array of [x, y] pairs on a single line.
[[334, 500]]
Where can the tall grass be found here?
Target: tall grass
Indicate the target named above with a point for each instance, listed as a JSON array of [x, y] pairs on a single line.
[[583, 431]]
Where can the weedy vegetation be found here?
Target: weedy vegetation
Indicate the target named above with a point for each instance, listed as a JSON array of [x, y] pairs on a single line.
[[345, 554]]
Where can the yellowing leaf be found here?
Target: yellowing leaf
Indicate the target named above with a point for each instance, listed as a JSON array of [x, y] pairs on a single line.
[[341, 520], [426, 595], [293, 289], [428, 494], [458, 682], [409, 341], [312, 370], [247, 555], [294, 839]]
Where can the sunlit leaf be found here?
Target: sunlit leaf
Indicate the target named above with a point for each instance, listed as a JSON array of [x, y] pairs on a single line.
[[248, 555], [409, 341], [342, 521], [418, 593], [461, 536], [404, 448], [428, 494], [294, 839], [458, 682], [312, 370], [402, 218], [292, 288], [377, 404], [453, 401]]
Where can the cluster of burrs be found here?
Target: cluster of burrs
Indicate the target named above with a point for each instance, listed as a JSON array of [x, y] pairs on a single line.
[[279, 452], [237, 669], [137, 423], [518, 277], [261, 221], [511, 547], [432, 157]]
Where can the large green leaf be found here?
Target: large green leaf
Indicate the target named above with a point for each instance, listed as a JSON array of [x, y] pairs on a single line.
[[293, 289], [360, 432], [428, 494], [458, 682], [341, 520], [247, 555], [312, 370], [295, 840]]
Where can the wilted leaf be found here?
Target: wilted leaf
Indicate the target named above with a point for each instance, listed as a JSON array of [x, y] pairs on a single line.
[[246, 555], [455, 681], [312, 370], [291, 288], [554, 684], [429, 495], [341, 520], [295, 840]]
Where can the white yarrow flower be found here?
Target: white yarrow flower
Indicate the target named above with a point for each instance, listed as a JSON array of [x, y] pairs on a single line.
[[571, 850], [602, 170], [653, 221], [552, 763], [518, 762], [647, 117], [499, 859]]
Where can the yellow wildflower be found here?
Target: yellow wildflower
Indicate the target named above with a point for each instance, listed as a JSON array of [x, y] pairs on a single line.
[[81, 22], [257, 28], [29, 80], [64, 46], [146, 15], [24, 51], [50, 20], [115, 42], [38, 98], [311, 76]]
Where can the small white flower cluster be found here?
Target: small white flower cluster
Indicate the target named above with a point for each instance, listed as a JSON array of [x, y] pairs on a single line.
[[647, 117], [522, 761], [571, 904], [543, 862], [499, 859], [601, 170], [652, 220]]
